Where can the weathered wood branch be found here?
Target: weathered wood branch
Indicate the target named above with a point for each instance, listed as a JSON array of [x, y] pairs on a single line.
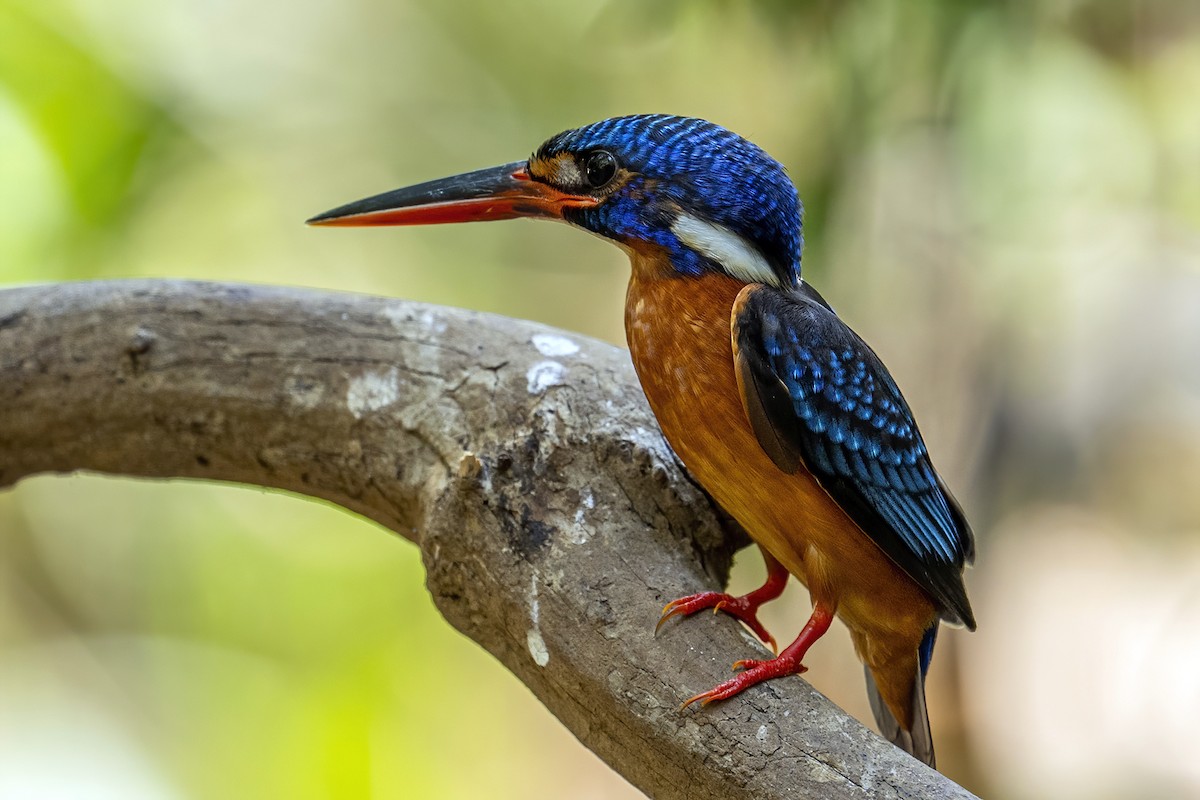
[[553, 520]]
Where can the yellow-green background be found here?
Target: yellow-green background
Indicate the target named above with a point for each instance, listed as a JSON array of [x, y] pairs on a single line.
[[1004, 198]]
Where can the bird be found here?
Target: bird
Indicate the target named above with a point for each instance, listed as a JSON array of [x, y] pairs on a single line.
[[785, 416]]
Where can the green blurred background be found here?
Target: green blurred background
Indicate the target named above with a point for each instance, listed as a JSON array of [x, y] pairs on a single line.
[[1003, 198]]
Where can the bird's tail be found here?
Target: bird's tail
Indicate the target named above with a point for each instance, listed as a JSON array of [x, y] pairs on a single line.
[[917, 740]]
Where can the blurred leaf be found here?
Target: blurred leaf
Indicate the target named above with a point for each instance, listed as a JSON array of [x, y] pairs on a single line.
[[95, 124]]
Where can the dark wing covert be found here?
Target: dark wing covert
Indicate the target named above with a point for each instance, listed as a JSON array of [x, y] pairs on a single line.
[[816, 393]]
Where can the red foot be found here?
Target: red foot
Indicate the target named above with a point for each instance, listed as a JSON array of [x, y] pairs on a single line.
[[744, 608], [718, 601], [786, 663]]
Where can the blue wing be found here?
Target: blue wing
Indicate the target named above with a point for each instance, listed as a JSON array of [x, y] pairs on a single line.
[[817, 395]]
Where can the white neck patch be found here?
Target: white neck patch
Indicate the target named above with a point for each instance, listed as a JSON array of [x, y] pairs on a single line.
[[736, 256]]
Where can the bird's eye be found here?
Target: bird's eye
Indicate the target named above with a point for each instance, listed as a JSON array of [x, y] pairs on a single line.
[[600, 168]]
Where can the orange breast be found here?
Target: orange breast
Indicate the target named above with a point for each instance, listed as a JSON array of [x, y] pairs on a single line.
[[679, 337]]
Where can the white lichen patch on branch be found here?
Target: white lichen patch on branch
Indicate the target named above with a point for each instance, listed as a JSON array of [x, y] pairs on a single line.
[[579, 533], [553, 345], [399, 316], [544, 374], [402, 320], [433, 323], [372, 391], [533, 638]]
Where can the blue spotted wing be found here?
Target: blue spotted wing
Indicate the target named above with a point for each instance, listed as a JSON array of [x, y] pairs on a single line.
[[817, 395]]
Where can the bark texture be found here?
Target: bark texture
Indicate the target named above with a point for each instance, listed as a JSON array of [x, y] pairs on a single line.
[[552, 517]]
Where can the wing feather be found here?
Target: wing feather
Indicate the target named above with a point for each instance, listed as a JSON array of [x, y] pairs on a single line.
[[817, 395]]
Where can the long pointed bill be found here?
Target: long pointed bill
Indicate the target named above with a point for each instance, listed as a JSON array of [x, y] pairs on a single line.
[[503, 192]]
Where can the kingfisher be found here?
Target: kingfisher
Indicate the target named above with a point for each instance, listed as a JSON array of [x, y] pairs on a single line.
[[785, 416]]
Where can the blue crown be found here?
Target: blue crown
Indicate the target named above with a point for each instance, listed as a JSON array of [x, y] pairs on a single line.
[[682, 163]]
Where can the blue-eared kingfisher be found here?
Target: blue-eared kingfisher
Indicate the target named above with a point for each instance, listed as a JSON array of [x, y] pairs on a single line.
[[785, 416]]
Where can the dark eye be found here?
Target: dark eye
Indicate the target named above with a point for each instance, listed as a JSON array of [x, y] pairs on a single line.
[[600, 168]]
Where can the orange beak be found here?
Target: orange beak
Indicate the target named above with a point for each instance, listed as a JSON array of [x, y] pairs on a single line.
[[504, 192]]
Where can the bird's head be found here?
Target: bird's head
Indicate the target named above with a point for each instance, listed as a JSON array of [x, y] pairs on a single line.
[[704, 197]]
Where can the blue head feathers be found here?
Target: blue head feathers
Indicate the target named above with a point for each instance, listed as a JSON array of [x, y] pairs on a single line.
[[711, 199]]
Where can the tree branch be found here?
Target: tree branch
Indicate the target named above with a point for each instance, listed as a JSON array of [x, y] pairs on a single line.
[[553, 520]]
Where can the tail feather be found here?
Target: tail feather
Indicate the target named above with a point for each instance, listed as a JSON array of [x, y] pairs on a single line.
[[917, 740]]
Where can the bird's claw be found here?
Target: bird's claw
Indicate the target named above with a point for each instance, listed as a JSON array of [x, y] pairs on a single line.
[[739, 607], [752, 672], [747, 664]]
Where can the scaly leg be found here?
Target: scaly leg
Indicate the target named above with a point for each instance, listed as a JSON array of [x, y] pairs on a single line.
[[744, 608], [786, 663]]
